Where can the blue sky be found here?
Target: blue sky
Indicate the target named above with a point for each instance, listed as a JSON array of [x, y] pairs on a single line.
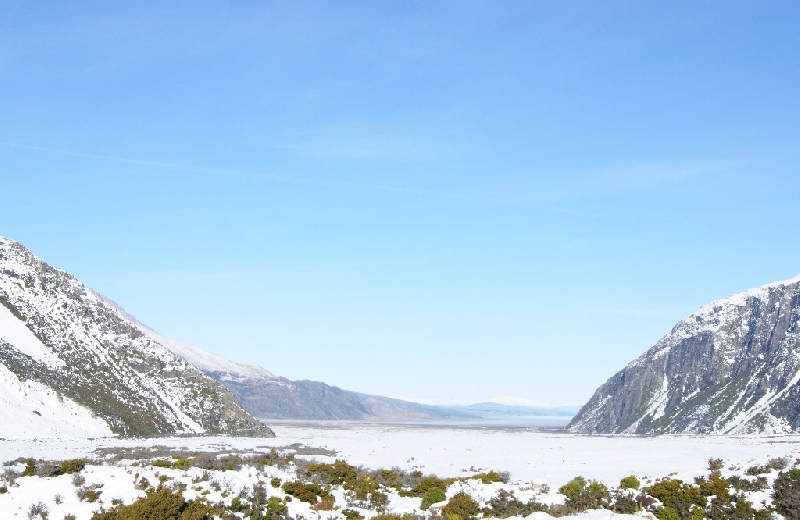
[[430, 200]]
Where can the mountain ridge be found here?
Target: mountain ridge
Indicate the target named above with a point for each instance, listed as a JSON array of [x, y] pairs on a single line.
[[731, 367], [59, 334]]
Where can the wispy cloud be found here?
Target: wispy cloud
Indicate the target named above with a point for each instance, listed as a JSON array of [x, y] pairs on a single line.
[[222, 274], [233, 173]]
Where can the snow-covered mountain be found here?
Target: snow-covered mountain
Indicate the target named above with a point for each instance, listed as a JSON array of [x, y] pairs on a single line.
[[65, 349], [73, 363], [731, 367]]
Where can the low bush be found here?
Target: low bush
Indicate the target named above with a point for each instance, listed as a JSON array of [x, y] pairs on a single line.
[[505, 504], [786, 493], [352, 514], [461, 506], [425, 484], [304, 492], [492, 476], [68, 467], [630, 482], [674, 494], [161, 504], [38, 510], [582, 495], [339, 473], [432, 496]]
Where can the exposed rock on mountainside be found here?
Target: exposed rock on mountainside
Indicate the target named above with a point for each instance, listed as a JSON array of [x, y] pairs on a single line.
[[80, 352], [731, 367]]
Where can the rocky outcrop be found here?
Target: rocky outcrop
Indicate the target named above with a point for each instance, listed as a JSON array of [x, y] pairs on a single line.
[[731, 367], [58, 333]]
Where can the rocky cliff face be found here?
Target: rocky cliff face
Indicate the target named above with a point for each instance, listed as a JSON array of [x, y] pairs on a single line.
[[56, 334], [731, 367]]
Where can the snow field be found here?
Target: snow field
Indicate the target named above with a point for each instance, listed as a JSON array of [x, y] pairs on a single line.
[[533, 458]]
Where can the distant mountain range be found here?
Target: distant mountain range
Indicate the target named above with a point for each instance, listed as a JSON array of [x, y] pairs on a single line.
[[73, 361], [731, 367]]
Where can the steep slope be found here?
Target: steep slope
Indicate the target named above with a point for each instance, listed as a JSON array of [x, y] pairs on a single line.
[[731, 367], [65, 340]]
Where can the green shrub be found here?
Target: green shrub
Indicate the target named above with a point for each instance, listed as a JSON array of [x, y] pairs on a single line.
[[68, 467], [30, 468], [573, 488], [677, 496], [352, 514], [276, 508], [425, 484], [492, 476], [304, 492], [666, 513], [363, 487], [275, 482], [338, 473], [432, 496], [461, 506], [582, 495], [630, 482], [181, 463], [161, 504]]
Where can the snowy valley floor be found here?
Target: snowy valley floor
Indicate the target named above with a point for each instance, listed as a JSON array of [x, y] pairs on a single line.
[[532, 457]]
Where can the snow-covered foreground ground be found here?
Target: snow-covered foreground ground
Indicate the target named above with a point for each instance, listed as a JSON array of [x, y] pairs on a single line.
[[530, 456]]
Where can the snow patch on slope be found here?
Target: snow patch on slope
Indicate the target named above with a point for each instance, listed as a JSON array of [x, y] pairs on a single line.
[[32, 410], [15, 333]]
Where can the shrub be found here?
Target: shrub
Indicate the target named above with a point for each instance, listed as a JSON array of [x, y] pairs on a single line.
[[432, 496], [461, 506], [715, 464], [666, 513], [161, 504], [624, 503], [425, 484], [715, 485], [30, 468], [778, 464], [786, 493], [676, 495], [493, 476], [573, 488], [78, 480], [67, 467], [630, 482], [324, 504], [275, 482], [363, 487], [352, 514], [582, 495], [304, 492], [38, 510], [505, 504], [338, 473], [276, 508], [379, 501]]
